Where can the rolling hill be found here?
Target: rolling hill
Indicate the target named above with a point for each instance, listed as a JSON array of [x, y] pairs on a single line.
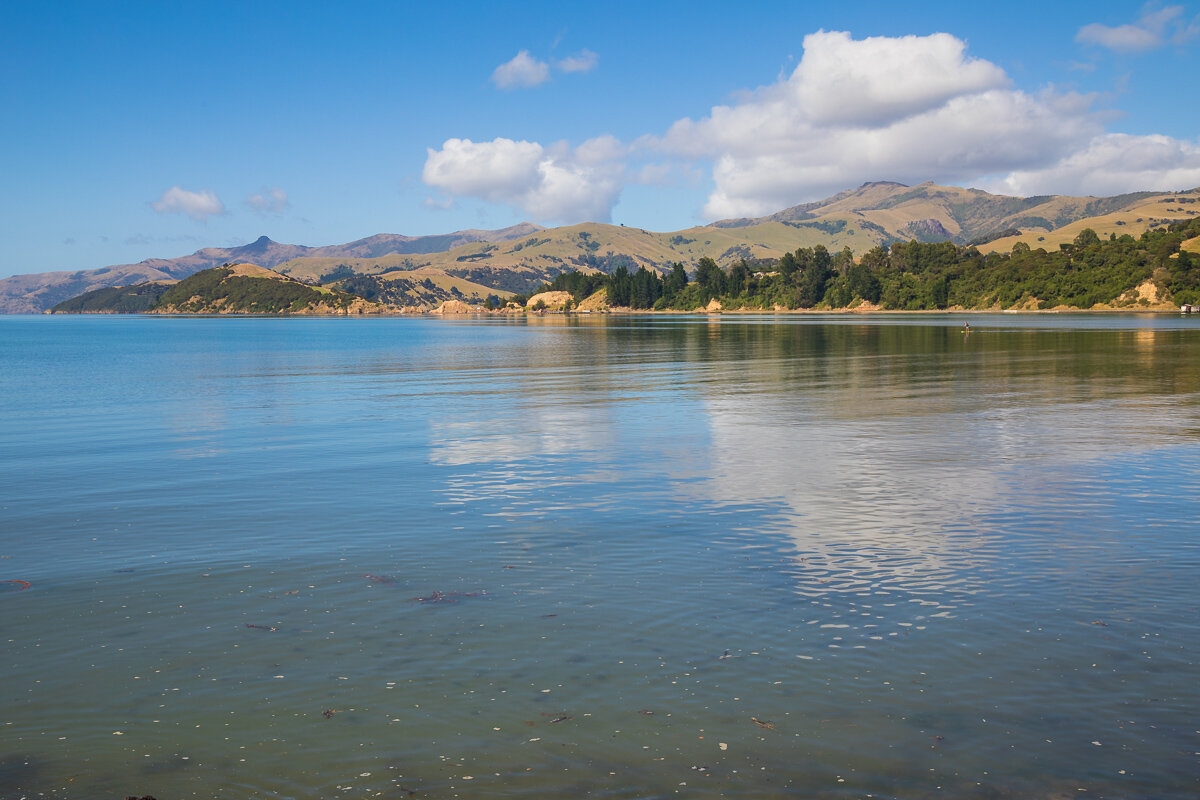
[[242, 288], [474, 263], [35, 293], [872, 215]]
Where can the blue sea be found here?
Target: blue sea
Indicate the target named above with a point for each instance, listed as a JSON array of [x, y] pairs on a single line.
[[600, 556]]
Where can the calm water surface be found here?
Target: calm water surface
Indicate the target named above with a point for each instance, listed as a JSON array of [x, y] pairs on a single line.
[[740, 557]]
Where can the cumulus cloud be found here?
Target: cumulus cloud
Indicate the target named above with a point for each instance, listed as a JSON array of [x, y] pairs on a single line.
[[1111, 164], [879, 80], [521, 71], [269, 201], [908, 109], [1154, 29], [554, 183], [583, 61], [197, 205]]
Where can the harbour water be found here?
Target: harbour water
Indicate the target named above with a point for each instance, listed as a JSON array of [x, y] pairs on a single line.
[[612, 557]]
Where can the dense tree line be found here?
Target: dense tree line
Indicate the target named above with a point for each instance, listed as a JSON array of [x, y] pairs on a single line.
[[199, 293], [918, 275], [134, 299]]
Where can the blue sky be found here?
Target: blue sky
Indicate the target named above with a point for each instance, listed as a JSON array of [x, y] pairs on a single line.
[[135, 130]]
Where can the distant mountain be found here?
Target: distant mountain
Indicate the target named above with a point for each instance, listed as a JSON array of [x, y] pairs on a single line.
[[34, 293], [943, 213], [875, 214], [518, 258]]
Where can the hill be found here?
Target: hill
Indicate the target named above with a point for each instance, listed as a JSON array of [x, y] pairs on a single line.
[[135, 299], [875, 214], [931, 213], [1153, 272], [251, 289], [473, 264], [34, 293]]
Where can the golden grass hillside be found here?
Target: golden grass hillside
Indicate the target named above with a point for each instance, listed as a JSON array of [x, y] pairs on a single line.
[[860, 219], [1150, 212]]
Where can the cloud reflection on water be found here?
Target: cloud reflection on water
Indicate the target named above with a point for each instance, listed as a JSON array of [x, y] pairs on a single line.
[[890, 457]]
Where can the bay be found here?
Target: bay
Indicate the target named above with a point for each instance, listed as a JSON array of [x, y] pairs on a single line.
[[621, 557]]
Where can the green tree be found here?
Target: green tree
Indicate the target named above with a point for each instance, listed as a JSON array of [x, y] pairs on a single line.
[[843, 260], [709, 277], [675, 282], [619, 288], [645, 287], [814, 277], [862, 282], [739, 278], [788, 265]]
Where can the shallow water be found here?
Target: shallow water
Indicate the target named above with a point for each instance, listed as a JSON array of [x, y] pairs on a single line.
[[660, 556]]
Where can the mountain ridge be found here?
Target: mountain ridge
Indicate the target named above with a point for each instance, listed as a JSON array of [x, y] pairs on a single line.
[[36, 292], [877, 213]]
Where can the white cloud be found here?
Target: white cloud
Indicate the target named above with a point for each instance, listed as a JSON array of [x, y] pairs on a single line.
[[1122, 38], [1149, 32], [583, 61], [197, 205], [907, 109], [552, 183], [521, 71], [495, 171], [1111, 164], [269, 201], [879, 80]]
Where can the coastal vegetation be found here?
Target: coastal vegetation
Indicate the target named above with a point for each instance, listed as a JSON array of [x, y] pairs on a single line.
[[228, 289], [914, 275], [136, 299], [1159, 267], [403, 271], [221, 289], [941, 248]]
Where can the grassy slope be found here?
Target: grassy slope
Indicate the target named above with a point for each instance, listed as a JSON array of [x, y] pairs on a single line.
[[420, 287], [874, 214], [1134, 219], [563, 249], [859, 219], [248, 288], [134, 299]]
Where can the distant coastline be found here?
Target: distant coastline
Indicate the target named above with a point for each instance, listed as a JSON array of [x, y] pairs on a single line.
[[928, 246]]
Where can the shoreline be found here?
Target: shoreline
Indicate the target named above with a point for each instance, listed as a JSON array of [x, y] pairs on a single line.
[[1160, 309], [482, 312]]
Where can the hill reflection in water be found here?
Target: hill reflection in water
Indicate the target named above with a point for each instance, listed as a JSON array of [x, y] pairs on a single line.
[[622, 557]]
